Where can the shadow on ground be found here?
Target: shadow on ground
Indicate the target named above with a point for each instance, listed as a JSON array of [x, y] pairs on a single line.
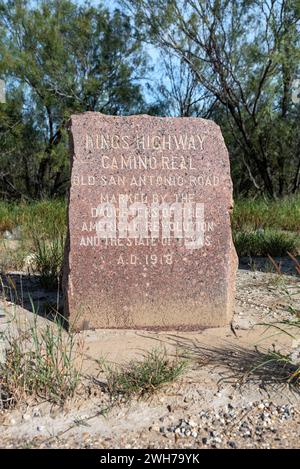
[[25, 290], [285, 265], [268, 369]]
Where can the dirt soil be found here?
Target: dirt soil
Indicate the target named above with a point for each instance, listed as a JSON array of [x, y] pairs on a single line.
[[215, 404]]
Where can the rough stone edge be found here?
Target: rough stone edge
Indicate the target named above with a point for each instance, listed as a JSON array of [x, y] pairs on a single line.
[[66, 261], [233, 258]]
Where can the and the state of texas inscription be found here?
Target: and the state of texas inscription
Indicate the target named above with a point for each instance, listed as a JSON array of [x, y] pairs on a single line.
[[149, 238]]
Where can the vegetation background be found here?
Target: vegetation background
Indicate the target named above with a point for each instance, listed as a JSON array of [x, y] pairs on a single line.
[[234, 62]]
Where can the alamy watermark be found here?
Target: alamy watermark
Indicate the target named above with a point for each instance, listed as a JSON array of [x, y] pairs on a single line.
[[2, 91], [178, 220]]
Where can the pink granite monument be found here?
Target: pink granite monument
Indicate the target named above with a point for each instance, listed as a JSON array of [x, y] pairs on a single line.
[[149, 237]]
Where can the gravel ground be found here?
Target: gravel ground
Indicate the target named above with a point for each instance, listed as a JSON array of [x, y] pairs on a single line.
[[259, 424]]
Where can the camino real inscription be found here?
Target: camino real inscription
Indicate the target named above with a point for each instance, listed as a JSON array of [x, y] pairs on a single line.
[[149, 237]]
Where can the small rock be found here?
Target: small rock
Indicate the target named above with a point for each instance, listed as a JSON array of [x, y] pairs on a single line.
[[232, 444], [7, 234]]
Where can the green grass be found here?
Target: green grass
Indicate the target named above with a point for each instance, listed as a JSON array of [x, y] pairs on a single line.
[[143, 378], [48, 259], [267, 242], [43, 228], [266, 227], [42, 362], [283, 214], [42, 218]]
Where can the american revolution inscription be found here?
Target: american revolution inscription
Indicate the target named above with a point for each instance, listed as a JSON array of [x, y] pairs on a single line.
[[149, 238]]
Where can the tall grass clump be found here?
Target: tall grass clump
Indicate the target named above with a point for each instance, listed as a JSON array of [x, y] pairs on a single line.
[[142, 378], [43, 217], [40, 361], [48, 259], [265, 242], [42, 225], [282, 214]]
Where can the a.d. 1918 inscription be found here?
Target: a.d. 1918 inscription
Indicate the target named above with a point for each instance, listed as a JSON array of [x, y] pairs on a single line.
[[149, 239]]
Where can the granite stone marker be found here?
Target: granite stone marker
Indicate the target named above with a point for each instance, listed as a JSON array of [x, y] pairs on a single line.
[[149, 236]]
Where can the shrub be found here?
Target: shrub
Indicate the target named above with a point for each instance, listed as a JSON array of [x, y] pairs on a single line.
[[144, 377]]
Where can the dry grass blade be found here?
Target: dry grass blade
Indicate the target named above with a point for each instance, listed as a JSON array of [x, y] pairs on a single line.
[[275, 265], [296, 262]]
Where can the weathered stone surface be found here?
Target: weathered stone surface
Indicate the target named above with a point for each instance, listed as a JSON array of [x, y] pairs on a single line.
[[123, 269]]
